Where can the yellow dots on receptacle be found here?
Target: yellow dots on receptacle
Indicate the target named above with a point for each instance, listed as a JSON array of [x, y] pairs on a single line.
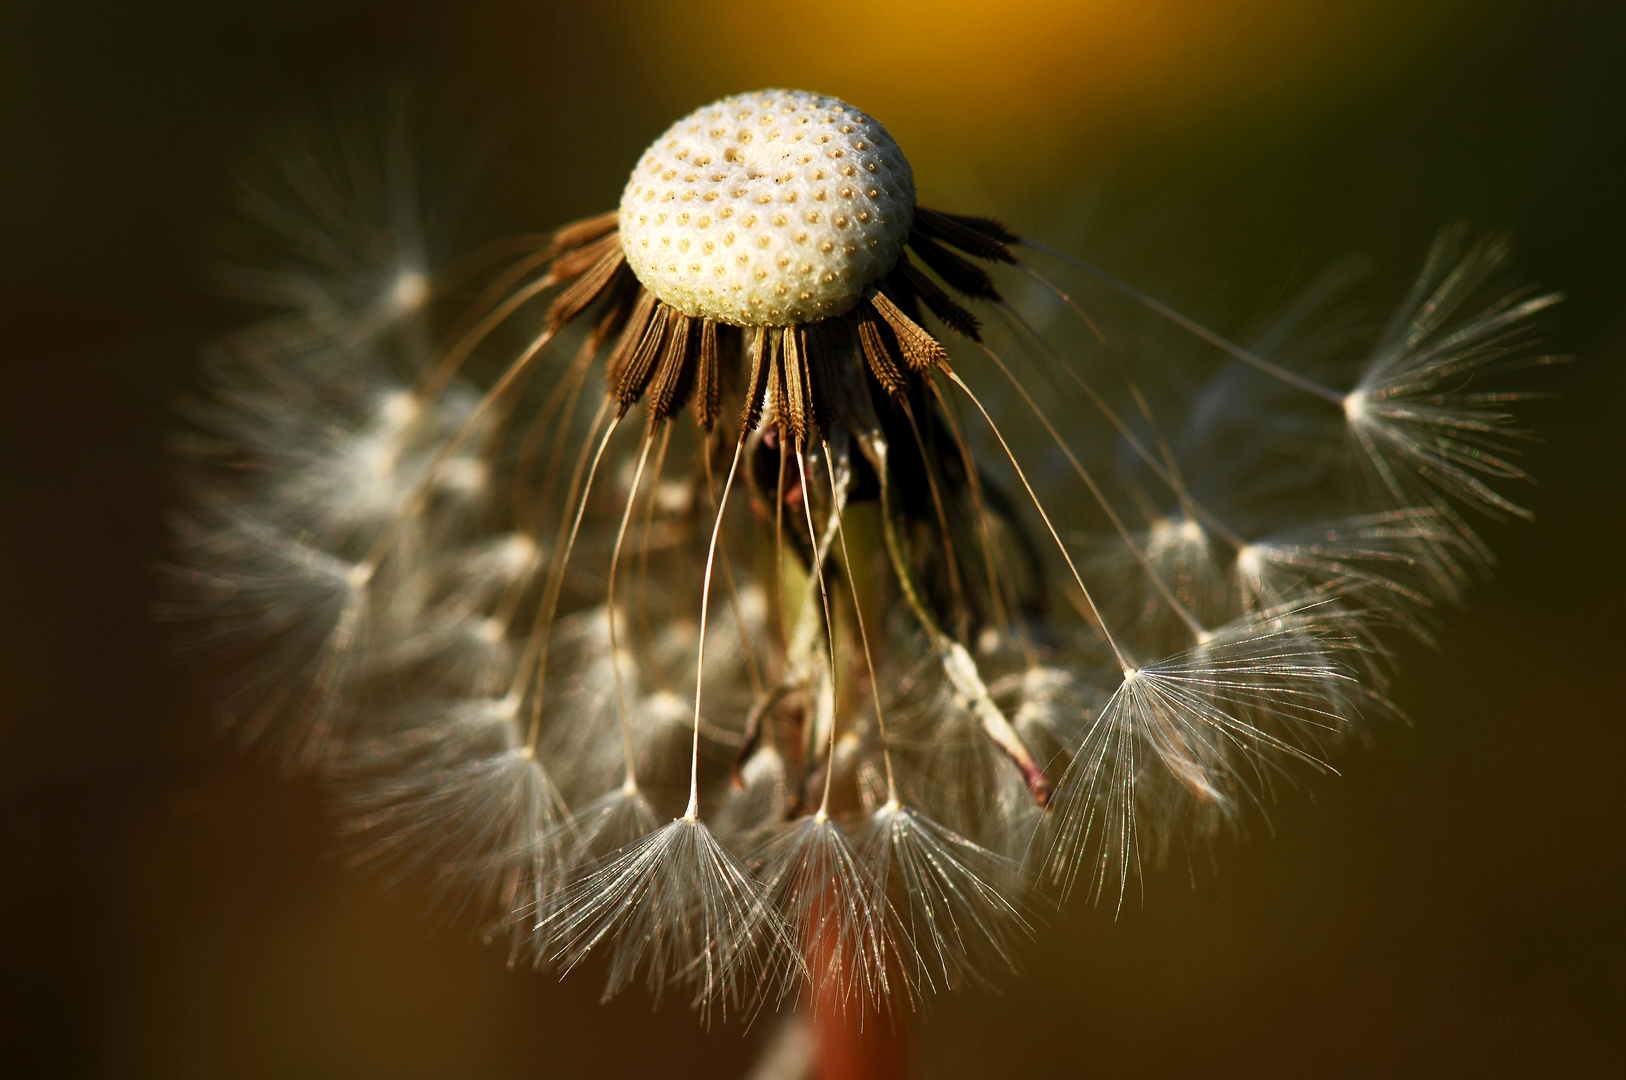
[[771, 157]]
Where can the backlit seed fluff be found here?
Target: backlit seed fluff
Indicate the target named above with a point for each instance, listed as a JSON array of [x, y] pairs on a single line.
[[767, 209], [765, 591]]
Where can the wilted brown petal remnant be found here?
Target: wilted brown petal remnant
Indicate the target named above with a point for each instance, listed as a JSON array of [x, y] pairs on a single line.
[[739, 587]]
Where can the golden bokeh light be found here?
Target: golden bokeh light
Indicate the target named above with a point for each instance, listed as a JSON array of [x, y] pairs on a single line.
[[1045, 74]]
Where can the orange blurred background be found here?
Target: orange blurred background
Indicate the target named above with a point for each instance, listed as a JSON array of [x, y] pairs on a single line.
[[1036, 80], [1450, 905]]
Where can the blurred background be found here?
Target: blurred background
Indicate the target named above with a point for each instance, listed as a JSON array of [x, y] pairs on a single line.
[[1450, 905]]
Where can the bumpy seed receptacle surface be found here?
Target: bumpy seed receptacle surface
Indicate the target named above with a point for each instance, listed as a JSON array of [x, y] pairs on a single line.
[[767, 209]]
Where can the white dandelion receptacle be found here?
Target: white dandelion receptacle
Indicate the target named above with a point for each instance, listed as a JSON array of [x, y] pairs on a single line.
[[767, 209]]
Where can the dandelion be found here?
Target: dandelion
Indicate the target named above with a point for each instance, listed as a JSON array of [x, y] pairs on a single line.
[[739, 590]]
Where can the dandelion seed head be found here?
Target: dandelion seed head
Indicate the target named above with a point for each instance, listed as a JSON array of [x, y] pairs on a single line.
[[501, 600], [767, 209]]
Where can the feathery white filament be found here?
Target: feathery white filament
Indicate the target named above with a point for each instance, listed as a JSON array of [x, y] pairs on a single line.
[[700, 662]]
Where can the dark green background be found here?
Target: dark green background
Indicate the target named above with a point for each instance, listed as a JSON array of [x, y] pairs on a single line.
[[1450, 905]]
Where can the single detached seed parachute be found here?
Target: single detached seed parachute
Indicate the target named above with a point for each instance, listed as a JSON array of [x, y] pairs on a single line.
[[738, 587]]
